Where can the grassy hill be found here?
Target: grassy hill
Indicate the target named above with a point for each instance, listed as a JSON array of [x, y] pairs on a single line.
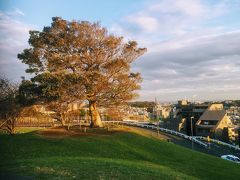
[[115, 155]]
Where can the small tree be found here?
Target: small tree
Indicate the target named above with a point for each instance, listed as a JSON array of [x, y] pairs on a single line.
[[10, 106], [44, 89], [81, 61]]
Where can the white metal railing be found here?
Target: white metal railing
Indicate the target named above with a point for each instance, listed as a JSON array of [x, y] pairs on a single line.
[[174, 133], [112, 122], [219, 142], [194, 138], [132, 123]]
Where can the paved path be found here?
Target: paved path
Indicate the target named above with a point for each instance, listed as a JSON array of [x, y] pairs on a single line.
[[215, 149]]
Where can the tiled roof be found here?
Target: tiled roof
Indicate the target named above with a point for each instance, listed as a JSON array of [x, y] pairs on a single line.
[[213, 115]]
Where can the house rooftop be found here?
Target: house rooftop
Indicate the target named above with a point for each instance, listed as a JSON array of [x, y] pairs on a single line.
[[213, 115]]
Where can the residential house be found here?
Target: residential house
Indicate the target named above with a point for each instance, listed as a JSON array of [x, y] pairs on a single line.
[[185, 114], [214, 122]]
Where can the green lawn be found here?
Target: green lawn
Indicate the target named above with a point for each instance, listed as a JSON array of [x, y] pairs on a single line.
[[122, 155]]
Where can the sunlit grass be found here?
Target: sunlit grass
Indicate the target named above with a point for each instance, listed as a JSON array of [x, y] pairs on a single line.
[[20, 130], [121, 155]]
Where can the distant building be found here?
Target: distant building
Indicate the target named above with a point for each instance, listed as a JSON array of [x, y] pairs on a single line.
[[216, 106], [161, 111], [165, 112], [183, 102], [136, 113], [234, 113], [75, 106], [233, 134], [184, 112], [214, 122]]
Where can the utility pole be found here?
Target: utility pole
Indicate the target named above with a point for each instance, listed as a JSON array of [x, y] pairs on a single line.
[[156, 108], [192, 131]]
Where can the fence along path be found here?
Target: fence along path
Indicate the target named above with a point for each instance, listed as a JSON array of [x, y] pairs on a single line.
[[195, 139], [132, 123], [218, 142]]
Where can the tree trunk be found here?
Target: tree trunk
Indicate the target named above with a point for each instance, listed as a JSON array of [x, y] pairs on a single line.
[[62, 119], [11, 125], [94, 114]]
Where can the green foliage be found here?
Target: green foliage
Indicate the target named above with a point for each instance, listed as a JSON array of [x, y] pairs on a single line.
[[235, 103], [142, 104], [120, 156], [83, 113], [28, 92]]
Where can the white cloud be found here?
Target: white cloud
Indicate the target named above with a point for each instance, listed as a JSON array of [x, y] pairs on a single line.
[[192, 51], [163, 20], [166, 19], [13, 39], [192, 8], [146, 23], [201, 66]]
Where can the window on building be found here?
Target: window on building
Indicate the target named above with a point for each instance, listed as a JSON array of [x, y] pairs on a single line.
[[205, 122]]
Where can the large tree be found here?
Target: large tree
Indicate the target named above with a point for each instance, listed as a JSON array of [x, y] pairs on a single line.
[[82, 61]]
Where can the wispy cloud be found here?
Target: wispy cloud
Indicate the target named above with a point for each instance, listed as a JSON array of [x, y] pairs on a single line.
[[15, 12]]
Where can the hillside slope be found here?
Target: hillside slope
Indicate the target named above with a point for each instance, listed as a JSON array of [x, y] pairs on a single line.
[[118, 155]]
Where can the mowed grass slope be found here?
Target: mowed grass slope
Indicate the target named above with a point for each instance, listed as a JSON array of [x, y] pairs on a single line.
[[121, 155]]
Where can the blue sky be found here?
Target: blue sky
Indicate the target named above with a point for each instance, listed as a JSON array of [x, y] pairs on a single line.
[[193, 45], [40, 12]]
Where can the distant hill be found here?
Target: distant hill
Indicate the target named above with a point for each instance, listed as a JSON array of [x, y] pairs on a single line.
[[142, 104]]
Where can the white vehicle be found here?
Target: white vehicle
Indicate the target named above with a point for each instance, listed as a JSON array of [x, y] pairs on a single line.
[[231, 158]]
